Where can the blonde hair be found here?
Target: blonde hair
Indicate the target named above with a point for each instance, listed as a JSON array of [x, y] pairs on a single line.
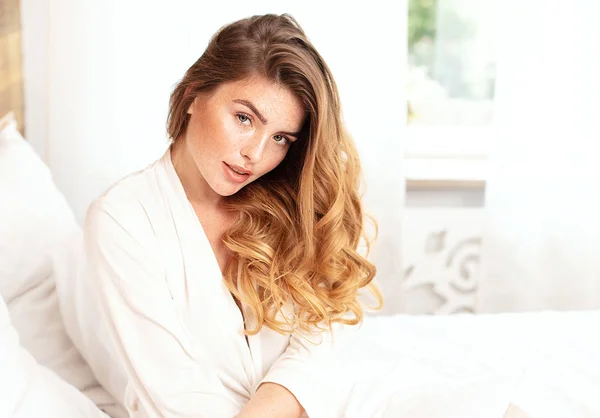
[[298, 227]]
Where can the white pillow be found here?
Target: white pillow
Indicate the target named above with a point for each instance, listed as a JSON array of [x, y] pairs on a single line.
[[35, 221], [29, 390]]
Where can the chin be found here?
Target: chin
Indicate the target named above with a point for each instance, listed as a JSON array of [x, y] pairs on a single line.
[[229, 191]]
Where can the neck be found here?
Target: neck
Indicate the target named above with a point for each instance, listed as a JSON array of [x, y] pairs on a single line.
[[196, 188]]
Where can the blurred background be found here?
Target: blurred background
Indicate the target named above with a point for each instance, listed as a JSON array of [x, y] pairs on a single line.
[[477, 121]]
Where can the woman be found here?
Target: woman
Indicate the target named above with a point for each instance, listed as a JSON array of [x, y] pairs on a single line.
[[223, 268]]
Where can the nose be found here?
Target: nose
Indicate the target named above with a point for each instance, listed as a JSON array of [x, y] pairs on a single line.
[[254, 148]]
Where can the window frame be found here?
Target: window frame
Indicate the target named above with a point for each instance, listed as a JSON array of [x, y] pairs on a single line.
[[447, 156]]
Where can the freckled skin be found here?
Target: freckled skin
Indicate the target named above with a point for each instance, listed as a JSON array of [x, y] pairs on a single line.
[[222, 130]]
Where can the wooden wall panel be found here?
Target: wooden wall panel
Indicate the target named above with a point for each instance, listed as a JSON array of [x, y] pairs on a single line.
[[11, 70]]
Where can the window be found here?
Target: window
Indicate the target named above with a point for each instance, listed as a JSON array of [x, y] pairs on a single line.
[[450, 86]]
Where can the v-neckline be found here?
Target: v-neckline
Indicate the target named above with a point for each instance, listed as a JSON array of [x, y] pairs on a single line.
[[180, 190]]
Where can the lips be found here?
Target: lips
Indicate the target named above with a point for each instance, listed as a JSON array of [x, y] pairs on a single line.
[[234, 176], [239, 169]]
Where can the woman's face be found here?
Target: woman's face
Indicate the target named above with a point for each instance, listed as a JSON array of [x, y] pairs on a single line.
[[241, 131]]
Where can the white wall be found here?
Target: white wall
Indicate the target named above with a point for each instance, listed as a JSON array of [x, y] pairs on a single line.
[[111, 69], [34, 31]]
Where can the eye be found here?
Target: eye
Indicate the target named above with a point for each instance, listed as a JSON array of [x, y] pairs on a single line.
[[243, 118], [281, 139]]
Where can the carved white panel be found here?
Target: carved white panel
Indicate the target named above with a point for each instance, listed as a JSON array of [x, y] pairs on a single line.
[[441, 254]]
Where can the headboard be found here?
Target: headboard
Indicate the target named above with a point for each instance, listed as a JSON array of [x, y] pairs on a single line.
[[11, 70]]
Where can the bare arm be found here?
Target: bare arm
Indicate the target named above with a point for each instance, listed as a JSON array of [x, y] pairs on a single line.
[[272, 400], [313, 374]]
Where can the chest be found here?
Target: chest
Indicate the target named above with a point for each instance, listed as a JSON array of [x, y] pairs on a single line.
[[215, 224]]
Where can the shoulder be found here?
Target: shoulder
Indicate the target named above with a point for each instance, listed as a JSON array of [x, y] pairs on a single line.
[[123, 209], [133, 190]]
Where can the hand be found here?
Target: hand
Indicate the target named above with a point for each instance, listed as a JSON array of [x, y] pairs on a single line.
[[272, 400]]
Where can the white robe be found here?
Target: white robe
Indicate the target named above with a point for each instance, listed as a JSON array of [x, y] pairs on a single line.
[[177, 346]]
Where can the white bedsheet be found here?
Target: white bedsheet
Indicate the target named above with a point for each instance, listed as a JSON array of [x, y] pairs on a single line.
[[463, 366]]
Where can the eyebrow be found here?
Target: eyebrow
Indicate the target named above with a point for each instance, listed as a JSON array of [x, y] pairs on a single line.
[[264, 120]]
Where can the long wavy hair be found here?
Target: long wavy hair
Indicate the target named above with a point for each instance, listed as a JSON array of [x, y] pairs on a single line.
[[298, 228]]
